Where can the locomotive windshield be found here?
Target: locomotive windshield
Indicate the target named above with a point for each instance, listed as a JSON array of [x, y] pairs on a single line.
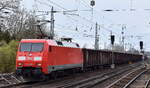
[[31, 47]]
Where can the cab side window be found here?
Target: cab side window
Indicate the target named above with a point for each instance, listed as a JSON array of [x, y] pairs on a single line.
[[49, 48], [59, 43]]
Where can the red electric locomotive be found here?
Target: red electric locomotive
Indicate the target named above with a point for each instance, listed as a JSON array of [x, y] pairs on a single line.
[[41, 56]]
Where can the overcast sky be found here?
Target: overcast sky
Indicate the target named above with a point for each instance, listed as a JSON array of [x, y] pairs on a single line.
[[136, 22]]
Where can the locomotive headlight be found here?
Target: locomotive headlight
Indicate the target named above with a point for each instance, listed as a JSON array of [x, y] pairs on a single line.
[[21, 58], [39, 64], [37, 58], [20, 64]]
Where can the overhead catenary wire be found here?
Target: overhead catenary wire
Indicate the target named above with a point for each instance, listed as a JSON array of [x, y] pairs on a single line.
[[79, 16], [44, 3], [83, 18], [97, 12], [75, 20], [84, 34]]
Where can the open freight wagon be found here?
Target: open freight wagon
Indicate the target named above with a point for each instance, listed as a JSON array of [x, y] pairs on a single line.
[[101, 58]]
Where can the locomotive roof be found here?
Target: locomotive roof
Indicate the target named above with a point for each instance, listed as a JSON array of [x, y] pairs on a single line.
[[33, 40], [51, 42]]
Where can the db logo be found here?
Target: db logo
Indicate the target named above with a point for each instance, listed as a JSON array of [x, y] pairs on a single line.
[[30, 54], [29, 58]]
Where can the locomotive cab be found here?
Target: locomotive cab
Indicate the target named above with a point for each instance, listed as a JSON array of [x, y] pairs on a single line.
[[30, 57]]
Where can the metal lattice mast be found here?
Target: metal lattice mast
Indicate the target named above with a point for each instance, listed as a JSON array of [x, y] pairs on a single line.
[[52, 24], [96, 37]]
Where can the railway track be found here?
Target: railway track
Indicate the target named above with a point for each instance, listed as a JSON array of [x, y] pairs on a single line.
[[140, 81], [130, 80], [92, 81], [9, 79], [86, 82]]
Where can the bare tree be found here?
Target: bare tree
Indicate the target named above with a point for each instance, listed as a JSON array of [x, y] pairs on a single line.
[[7, 7], [18, 22], [11, 5], [23, 25]]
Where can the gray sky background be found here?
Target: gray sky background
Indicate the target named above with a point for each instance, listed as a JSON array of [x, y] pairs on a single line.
[[137, 22]]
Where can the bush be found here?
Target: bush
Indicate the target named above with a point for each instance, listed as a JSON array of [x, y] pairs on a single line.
[[7, 57], [5, 36]]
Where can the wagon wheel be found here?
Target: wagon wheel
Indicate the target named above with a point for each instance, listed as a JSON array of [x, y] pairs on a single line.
[[44, 77], [54, 75]]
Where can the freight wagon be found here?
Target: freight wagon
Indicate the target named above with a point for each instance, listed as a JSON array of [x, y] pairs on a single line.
[[101, 57]]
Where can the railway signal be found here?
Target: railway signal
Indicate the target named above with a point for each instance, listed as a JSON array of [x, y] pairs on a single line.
[[92, 3], [142, 52], [141, 45], [112, 44], [112, 39]]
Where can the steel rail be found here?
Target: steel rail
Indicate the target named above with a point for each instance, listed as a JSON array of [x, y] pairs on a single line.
[[95, 80], [125, 76], [134, 79], [9, 79], [147, 83]]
